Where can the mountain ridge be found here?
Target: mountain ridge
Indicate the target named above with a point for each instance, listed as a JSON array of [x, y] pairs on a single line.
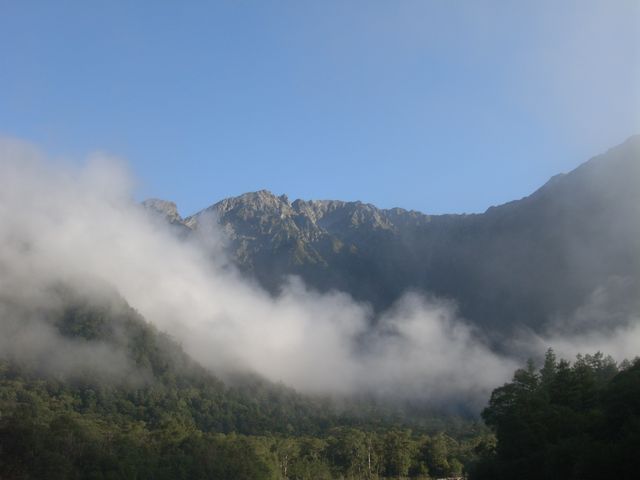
[[516, 265]]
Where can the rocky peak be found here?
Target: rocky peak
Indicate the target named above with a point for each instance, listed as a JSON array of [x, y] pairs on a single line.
[[252, 203], [309, 219], [163, 207]]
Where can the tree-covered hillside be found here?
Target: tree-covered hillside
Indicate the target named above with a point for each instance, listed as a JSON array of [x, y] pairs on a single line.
[[166, 417]]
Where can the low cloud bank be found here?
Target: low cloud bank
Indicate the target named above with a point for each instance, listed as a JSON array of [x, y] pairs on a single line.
[[73, 225]]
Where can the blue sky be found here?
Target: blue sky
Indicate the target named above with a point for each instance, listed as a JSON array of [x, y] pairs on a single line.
[[437, 106]]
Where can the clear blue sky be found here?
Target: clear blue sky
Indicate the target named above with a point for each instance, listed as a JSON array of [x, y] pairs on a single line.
[[439, 106]]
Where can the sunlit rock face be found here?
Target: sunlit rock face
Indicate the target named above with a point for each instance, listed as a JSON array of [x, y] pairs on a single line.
[[163, 207]]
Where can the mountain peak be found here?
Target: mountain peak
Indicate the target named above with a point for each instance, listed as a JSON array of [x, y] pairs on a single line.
[[163, 207], [259, 201]]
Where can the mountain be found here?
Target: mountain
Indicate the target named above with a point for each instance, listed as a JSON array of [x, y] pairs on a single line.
[[565, 256]]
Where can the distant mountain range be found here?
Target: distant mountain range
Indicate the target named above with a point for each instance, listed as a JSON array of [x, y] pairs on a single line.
[[566, 256]]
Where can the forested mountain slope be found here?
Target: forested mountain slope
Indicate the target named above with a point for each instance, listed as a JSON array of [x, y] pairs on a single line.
[[111, 397]]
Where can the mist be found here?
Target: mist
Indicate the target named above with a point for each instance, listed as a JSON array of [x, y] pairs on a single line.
[[80, 226]]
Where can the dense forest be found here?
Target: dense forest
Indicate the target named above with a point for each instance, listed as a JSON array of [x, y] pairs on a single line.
[[564, 421], [170, 418]]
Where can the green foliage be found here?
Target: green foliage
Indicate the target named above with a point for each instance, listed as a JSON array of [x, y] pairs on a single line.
[[50, 430], [398, 453], [168, 418], [565, 421]]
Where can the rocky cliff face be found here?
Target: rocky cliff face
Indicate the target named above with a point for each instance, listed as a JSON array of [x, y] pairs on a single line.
[[168, 210], [530, 263]]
